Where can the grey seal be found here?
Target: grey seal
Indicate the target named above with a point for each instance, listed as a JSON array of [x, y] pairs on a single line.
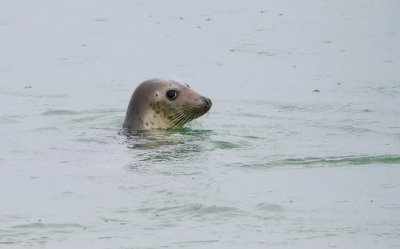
[[163, 104]]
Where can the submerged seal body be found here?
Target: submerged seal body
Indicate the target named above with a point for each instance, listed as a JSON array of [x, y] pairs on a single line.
[[163, 104]]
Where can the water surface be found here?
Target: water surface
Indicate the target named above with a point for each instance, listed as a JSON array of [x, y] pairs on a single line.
[[301, 148]]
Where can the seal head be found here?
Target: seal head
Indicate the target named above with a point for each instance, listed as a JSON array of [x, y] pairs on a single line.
[[163, 104]]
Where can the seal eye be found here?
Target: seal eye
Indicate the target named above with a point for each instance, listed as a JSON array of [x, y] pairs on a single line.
[[172, 94]]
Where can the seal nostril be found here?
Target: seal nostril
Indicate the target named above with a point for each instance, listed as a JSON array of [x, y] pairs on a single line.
[[206, 100]]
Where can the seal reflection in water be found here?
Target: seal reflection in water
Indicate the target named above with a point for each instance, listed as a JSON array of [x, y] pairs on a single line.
[[163, 104]]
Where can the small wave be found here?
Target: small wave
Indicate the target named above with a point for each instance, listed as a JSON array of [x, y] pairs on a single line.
[[58, 112], [270, 207], [225, 145], [330, 161], [7, 120], [40, 225], [53, 112], [86, 119], [36, 233], [354, 160], [191, 242], [194, 210], [45, 129]]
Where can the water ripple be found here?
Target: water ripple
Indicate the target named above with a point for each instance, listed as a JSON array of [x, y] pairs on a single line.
[[329, 161], [193, 210], [40, 225], [58, 112]]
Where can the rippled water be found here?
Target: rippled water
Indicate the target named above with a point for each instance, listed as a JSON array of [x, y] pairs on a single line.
[[301, 148]]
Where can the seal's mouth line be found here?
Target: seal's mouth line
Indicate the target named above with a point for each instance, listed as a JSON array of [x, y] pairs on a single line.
[[184, 116]]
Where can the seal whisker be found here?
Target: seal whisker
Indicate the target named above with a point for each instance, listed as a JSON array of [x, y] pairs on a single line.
[[187, 118], [183, 120], [179, 117], [175, 122]]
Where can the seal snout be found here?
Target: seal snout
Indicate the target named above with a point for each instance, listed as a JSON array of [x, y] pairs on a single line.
[[206, 101]]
